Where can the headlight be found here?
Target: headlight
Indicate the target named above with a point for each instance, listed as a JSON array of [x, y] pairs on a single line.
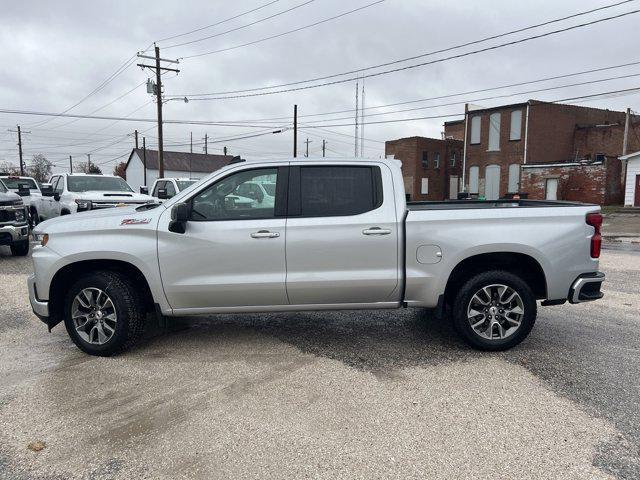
[[19, 215], [83, 205], [43, 238]]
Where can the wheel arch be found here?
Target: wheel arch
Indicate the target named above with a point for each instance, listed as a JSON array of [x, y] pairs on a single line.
[[64, 277], [521, 264]]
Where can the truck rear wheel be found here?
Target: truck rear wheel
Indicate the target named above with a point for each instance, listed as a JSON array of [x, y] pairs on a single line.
[[104, 313], [494, 310]]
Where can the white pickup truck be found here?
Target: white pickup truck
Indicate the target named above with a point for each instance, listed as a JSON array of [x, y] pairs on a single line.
[[339, 235], [27, 188], [78, 192]]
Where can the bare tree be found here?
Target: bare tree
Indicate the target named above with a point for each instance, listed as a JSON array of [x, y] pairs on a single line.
[[84, 167], [120, 170], [7, 168], [39, 168]]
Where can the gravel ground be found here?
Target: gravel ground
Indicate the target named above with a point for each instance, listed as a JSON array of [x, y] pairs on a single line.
[[326, 395]]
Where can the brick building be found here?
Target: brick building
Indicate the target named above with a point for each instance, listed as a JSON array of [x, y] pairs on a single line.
[[431, 167], [500, 141]]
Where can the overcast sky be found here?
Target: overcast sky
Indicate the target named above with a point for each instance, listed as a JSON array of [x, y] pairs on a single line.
[[53, 56]]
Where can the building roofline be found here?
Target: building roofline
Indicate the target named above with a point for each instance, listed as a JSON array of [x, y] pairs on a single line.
[[533, 102]]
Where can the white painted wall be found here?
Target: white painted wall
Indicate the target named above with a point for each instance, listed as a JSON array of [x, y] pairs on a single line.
[[135, 174], [633, 169]]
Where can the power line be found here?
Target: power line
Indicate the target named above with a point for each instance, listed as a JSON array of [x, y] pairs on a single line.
[[627, 91], [462, 102], [241, 26], [217, 23], [228, 94], [288, 32]]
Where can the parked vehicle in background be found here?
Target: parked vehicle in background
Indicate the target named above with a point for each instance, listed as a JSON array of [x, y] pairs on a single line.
[[14, 226], [79, 192], [27, 188], [166, 188], [339, 235]]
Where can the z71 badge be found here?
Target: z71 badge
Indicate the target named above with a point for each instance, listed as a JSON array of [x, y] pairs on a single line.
[[135, 221]]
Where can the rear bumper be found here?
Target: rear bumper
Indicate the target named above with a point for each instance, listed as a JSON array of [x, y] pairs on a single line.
[[586, 288], [39, 307]]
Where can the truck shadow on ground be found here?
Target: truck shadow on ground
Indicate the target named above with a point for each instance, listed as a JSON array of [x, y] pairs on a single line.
[[370, 340]]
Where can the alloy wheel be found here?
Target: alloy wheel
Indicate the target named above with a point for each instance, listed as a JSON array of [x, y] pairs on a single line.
[[94, 316], [495, 312]]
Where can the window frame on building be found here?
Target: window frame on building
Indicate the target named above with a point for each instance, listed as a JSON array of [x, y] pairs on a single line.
[[493, 144], [515, 126], [513, 174], [452, 158], [424, 186], [425, 159], [475, 137], [436, 159]]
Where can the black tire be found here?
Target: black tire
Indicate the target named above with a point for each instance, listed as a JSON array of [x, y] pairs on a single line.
[[129, 307], [20, 249], [464, 297], [35, 219], [64, 212]]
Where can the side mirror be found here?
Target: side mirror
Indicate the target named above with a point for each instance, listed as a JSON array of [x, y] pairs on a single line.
[[47, 190], [56, 197], [180, 213], [162, 194], [144, 190]]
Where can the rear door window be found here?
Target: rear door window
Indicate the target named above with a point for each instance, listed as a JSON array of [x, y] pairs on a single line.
[[339, 190]]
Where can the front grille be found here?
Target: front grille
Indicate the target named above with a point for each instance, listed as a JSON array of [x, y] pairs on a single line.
[[7, 216], [98, 205]]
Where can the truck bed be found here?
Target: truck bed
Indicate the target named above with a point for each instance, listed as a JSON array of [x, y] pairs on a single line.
[[484, 204]]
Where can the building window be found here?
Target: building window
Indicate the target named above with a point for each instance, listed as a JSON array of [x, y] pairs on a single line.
[[453, 159], [425, 159], [600, 157], [474, 174], [516, 125], [494, 132], [436, 160], [475, 130], [424, 189], [514, 178]]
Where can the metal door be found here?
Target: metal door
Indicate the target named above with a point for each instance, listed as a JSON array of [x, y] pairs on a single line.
[[492, 182], [551, 189]]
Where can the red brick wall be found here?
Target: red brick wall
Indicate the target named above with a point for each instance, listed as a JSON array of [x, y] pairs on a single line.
[[409, 152], [607, 140], [454, 130], [598, 184]]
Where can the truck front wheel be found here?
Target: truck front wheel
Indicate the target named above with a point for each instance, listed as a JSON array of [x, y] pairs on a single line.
[[20, 249], [494, 310], [104, 313]]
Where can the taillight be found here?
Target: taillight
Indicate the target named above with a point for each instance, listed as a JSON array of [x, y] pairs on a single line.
[[595, 220]]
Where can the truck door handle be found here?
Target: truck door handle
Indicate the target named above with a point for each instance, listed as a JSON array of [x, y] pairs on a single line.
[[376, 231], [265, 234]]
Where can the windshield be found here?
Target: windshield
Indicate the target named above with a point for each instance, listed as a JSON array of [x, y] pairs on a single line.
[[182, 184], [3, 189], [14, 183], [270, 188], [100, 184]]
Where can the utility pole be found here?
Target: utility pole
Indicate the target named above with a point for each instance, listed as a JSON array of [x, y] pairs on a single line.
[[70, 164], [206, 142], [19, 132], [356, 134], [307, 150], [158, 92], [362, 122], [225, 150], [324, 147], [191, 148], [625, 141], [295, 131], [20, 151], [88, 162], [144, 159], [136, 137]]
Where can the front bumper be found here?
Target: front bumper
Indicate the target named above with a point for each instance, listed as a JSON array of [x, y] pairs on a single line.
[[39, 307], [586, 288], [13, 233]]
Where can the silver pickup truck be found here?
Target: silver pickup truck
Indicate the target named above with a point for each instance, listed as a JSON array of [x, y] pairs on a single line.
[[339, 235]]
